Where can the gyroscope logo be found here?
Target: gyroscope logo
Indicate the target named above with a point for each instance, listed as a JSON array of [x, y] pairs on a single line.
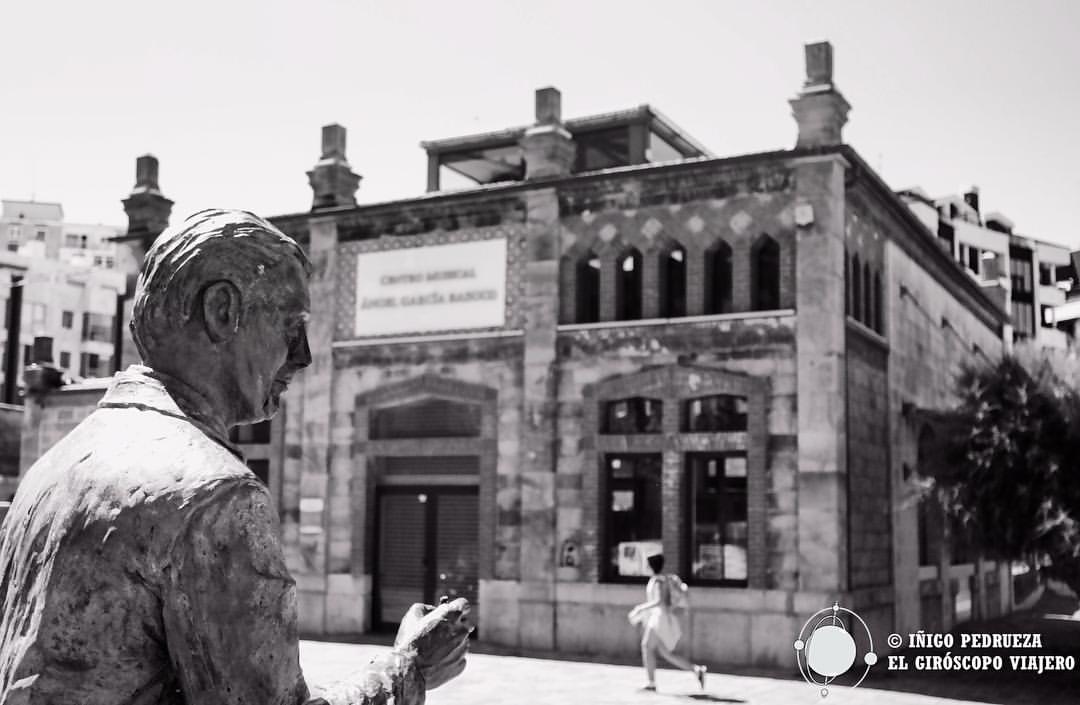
[[828, 650]]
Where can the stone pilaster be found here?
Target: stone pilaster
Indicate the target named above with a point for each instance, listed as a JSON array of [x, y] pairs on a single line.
[[314, 431], [538, 511], [653, 282], [822, 482], [695, 280], [348, 598]]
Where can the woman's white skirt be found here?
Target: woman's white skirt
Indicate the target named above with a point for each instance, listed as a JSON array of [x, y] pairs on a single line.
[[662, 623]]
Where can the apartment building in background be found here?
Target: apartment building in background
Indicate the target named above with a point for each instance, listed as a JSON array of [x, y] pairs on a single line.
[[1028, 277], [70, 275]]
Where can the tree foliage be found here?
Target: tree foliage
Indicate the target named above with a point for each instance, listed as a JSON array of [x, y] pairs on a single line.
[[1006, 458]]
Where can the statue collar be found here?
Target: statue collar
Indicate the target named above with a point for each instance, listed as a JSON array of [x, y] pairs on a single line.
[[141, 387]]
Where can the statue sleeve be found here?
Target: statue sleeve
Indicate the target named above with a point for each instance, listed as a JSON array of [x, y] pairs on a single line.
[[229, 608]]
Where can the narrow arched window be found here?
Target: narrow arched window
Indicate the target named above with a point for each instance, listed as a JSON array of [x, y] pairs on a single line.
[[628, 286], [847, 284], [868, 296], [879, 306], [718, 278], [765, 270], [673, 282], [587, 289], [856, 288]]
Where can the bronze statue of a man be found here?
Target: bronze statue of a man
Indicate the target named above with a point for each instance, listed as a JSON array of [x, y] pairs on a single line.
[[140, 561]]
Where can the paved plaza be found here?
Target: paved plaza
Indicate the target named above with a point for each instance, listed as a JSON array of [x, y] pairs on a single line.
[[492, 678]]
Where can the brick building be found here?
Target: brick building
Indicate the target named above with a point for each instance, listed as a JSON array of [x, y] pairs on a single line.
[[616, 342]]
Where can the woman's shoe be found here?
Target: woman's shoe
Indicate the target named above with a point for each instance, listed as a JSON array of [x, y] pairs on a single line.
[[699, 672], [650, 687]]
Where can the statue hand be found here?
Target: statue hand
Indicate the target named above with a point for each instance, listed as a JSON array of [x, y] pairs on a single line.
[[439, 639]]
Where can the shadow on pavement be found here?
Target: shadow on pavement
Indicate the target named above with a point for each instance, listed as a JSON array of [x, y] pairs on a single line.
[[705, 697]]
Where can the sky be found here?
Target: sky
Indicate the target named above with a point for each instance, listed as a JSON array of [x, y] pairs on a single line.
[[231, 95]]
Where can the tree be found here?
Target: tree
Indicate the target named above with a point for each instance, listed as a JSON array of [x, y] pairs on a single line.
[[1006, 461]]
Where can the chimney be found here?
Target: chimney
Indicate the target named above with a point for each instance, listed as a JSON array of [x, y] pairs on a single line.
[[42, 376], [332, 181], [972, 198], [148, 214], [820, 110], [548, 148], [147, 209]]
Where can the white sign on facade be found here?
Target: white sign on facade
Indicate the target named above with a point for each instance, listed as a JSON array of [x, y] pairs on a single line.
[[429, 289]]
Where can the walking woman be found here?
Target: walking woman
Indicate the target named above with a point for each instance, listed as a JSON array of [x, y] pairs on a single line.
[[661, 630]]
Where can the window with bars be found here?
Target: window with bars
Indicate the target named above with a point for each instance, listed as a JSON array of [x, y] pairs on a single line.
[[716, 413], [633, 513], [718, 517]]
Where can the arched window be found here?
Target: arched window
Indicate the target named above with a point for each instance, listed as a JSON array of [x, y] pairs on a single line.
[[879, 308], [628, 286], [673, 282], [856, 288], [847, 284], [587, 289], [868, 296], [718, 278], [765, 270]]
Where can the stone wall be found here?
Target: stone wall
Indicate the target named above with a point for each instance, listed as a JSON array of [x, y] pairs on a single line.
[[930, 335], [869, 526], [869, 523]]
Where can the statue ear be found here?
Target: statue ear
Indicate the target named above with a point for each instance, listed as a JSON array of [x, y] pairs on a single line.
[[221, 307]]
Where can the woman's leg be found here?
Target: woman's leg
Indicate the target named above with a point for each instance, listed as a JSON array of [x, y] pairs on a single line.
[[673, 658], [648, 655]]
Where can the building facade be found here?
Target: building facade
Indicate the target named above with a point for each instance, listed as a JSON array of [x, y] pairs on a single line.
[[615, 343], [525, 387]]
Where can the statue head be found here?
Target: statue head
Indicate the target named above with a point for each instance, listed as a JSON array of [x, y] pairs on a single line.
[[222, 305]]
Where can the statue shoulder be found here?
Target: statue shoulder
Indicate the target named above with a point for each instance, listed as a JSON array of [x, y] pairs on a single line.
[[163, 450]]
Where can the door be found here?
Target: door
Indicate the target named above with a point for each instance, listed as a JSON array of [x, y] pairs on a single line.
[[427, 548]]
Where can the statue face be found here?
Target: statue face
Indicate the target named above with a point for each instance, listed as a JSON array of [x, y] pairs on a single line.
[[271, 347]]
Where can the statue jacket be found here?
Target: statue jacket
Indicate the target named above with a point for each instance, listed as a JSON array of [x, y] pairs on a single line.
[[140, 563]]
